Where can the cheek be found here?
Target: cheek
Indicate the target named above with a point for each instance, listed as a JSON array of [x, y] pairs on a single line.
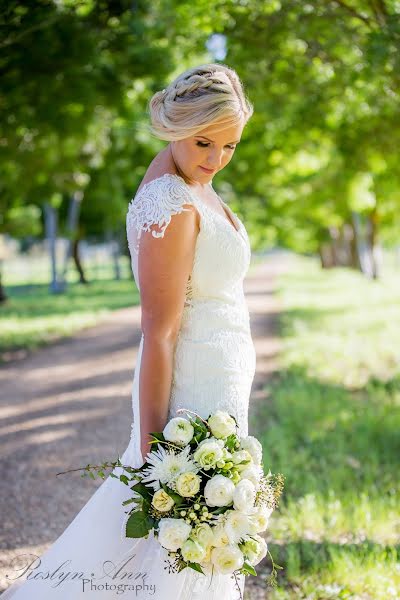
[[195, 155]]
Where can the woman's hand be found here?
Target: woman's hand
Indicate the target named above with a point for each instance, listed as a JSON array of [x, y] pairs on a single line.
[[145, 447]]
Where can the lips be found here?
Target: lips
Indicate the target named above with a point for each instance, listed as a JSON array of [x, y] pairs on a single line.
[[207, 170]]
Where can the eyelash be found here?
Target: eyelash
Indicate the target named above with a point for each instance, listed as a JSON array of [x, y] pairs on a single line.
[[205, 145]]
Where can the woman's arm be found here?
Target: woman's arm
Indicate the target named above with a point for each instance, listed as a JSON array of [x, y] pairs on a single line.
[[164, 266]]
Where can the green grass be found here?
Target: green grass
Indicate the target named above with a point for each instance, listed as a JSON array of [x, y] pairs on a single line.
[[331, 426], [34, 317]]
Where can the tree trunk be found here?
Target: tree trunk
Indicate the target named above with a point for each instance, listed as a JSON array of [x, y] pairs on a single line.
[[77, 261], [372, 241], [72, 225], [326, 255], [51, 235], [354, 255], [361, 245], [334, 234], [3, 295], [115, 254]]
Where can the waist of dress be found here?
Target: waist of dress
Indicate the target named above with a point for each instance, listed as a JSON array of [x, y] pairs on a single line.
[[204, 317]]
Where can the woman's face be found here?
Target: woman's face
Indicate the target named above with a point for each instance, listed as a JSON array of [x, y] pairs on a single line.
[[209, 148]]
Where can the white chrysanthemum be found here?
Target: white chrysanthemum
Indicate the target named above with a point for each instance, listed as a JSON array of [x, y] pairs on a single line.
[[166, 466], [178, 431], [244, 496], [252, 445], [227, 559], [238, 525]]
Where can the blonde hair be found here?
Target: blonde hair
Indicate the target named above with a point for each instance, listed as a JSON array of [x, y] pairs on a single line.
[[209, 94]]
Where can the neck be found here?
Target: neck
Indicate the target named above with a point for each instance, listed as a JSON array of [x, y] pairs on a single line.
[[179, 171]]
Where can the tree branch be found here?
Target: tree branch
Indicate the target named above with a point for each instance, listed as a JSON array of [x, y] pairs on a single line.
[[380, 11], [354, 12], [41, 25]]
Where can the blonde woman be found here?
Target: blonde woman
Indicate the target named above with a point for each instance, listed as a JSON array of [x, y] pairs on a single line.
[[190, 254]]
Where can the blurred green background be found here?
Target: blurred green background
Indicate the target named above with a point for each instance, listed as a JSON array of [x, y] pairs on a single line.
[[317, 172]]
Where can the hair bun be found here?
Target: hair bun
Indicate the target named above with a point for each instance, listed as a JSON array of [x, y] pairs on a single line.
[[199, 97]]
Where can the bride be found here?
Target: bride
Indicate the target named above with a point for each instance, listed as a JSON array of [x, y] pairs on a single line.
[[189, 253]]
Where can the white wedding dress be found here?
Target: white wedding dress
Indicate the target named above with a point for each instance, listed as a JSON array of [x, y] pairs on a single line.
[[214, 366]]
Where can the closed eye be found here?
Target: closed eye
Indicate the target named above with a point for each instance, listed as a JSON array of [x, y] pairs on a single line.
[[205, 144]]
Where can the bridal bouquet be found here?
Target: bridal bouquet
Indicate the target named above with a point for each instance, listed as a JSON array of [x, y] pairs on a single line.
[[203, 491]]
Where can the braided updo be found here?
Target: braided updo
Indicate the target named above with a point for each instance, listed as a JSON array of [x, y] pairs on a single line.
[[209, 94]]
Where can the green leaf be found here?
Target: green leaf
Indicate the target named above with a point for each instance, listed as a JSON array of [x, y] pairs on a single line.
[[195, 567], [129, 501], [141, 489], [219, 511], [176, 497], [138, 525], [248, 568], [158, 436]]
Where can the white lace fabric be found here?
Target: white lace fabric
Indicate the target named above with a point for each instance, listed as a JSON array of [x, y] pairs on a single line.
[[214, 360], [214, 366]]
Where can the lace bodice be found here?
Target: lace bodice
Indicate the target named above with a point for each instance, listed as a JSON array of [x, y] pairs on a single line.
[[214, 359], [222, 254]]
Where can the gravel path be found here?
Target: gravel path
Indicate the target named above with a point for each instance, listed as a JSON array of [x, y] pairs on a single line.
[[69, 404]]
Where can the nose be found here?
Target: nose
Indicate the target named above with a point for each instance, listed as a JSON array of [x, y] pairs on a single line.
[[214, 159]]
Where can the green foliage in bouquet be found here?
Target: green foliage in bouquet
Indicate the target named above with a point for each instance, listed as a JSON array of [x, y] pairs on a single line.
[[203, 491]]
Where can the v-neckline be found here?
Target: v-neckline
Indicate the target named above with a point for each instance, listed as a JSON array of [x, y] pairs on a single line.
[[214, 212]]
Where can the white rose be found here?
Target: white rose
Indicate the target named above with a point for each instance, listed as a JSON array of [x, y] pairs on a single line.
[[178, 431], [192, 551], [242, 456], [208, 453], [254, 549], [238, 525], [162, 501], [220, 537], [188, 484], [219, 490], [259, 519], [244, 496], [252, 472], [222, 424], [227, 559], [203, 533], [172, 533], [252, 445]]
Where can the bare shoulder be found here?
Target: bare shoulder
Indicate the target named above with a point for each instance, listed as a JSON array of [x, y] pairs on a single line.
[[159, 166]]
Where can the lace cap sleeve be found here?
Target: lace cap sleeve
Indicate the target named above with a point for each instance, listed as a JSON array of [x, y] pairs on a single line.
[[153, 207]]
